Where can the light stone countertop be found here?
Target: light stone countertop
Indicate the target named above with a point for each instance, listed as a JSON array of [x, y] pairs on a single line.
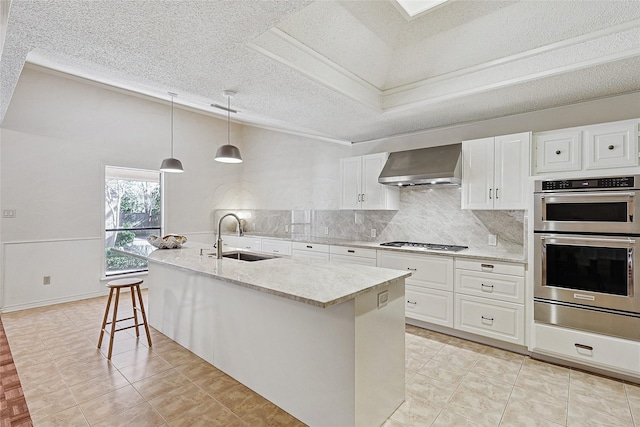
[[487, 253], [318, 283]]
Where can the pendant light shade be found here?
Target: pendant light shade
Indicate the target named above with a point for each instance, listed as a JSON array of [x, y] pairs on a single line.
[[171, 164], [228, 153]]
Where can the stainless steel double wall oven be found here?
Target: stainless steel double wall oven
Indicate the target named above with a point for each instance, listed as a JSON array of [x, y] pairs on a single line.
[[587, 269]]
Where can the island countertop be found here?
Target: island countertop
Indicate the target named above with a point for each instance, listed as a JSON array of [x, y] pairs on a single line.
[[319, 283]]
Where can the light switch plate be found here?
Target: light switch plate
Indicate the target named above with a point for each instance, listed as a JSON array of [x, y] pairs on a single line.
[[493, 240], [383, 298]]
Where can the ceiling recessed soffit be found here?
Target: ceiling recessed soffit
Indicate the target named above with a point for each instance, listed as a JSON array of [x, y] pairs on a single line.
[[572, 54]]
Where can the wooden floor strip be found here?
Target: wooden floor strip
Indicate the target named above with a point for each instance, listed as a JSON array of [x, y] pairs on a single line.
[[13, 406]]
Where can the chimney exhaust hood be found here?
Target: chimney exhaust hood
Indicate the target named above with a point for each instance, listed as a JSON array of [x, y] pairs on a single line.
[[424, 166]]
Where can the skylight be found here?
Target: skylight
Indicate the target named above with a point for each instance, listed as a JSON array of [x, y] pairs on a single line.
[[416, 7]]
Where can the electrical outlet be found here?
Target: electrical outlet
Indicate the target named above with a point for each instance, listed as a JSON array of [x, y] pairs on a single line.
[[374, 233], [383, 298], [286, 228], [46, 280], [8, 213], [326, 230], [493, 240]]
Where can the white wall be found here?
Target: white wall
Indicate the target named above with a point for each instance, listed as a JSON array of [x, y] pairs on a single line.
[[58, 135]]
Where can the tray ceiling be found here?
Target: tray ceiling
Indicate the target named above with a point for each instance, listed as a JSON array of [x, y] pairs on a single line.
[[339, 70]]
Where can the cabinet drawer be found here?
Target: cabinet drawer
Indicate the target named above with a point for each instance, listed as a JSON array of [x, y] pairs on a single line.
[[314, 247], [429, 305], [494, 319], [435, 272], [300, 254], [488, 266], [348, 259], [349, 251], [278, 247], [587, 348], [489, 285], [241, 242]]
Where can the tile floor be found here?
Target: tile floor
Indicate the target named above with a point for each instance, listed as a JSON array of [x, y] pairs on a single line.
[[450, 382]]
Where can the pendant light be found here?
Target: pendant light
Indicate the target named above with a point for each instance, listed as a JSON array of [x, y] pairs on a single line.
[[171, 164], [228, 153]]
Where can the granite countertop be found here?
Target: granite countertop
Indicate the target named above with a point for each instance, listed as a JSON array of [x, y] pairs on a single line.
[[486, 253], [307, 281]]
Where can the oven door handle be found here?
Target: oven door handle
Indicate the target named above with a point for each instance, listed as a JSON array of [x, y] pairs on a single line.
[[587, 239], [612, 195]]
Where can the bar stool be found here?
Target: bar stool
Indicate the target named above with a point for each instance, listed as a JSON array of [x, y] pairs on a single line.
[[133, 284]]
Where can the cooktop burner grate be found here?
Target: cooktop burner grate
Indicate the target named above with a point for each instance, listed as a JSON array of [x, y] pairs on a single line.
[[430, 246]]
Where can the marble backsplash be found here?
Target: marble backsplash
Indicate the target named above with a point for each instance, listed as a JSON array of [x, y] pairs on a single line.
[[426, 214]]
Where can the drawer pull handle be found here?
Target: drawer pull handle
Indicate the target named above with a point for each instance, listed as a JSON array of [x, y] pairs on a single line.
[[611, 147], [276, 251], [584, 347], [310, 247], [412, 269], [490, 319], [558, 152], [351, 251], [486, 266], [486, 286], [412, 302]]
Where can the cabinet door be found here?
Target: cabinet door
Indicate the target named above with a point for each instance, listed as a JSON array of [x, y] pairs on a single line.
[[373, 193], [351, 179], [612, 146], [477, 174], [511, 171], [558, 151]]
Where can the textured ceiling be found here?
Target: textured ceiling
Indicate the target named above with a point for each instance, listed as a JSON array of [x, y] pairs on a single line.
[[340, 70]]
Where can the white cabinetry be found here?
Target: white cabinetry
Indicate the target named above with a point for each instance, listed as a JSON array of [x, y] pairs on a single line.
[[489, 299], [587, 148], [310, 251], [248, 243], [276, 246], [495, 171], [351, 255], [360, 187], [429, 290], [595, 350]]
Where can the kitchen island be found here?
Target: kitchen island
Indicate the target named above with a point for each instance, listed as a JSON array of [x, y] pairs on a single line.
[[323, 341]]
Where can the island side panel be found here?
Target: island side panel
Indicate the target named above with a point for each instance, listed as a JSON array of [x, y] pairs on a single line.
[[300, 357], [380, 354], [181, 306]]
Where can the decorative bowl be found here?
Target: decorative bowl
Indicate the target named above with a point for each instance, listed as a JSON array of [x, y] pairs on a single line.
[[170, 241]]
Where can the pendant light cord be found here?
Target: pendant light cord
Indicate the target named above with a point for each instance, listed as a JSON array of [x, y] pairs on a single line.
[[229, 120], [171, 126]]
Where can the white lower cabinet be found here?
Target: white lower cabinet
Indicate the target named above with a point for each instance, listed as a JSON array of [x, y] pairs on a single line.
[[276, 246], [590, 349], [429, 305], [310, 251], [492, 318], [489, 299], [351, 255], [429, 290]]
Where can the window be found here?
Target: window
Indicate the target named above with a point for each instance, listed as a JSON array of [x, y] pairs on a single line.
[[132, 213]]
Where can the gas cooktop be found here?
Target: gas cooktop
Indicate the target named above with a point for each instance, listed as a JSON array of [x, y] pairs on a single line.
[[430, 246]]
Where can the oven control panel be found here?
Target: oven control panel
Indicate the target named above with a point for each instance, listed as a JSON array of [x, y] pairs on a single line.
[[588, 183]]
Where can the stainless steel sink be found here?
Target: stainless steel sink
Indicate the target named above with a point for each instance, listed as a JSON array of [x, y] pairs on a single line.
[[246, 256]]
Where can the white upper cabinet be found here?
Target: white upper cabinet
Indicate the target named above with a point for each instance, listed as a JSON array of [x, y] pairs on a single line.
[[360, 187], [587, 148], [494, 172], [611, 145]]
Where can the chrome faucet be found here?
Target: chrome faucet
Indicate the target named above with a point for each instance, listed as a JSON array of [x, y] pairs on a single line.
[[219, 243]]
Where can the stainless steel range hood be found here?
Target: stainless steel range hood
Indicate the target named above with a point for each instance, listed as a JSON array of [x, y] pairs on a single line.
[[424, 166]]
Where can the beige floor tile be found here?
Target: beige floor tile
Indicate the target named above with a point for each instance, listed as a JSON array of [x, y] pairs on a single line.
[[180, 401], [416, 413], [609, 406], [138, 416], [111, 404], [44, 385], [492, 388], [218, 385], [538, 379], [82, 371], [552, 408], [132, 357], [455, 362], [199, 369], [145, 368], [209, 413], [585, 383], [442, 371], [482, 408], [434, 391], [161, 383], [414, 364], [33, 377], [392, 423], [586, 416], [242, 400], [98, 386], [33, 361], [71, 417], [174, 353], [46, 404], [448, 418], [521, 411], [269, 415]]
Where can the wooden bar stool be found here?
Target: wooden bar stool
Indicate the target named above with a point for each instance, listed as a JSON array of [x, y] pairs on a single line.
[[133, 284]]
